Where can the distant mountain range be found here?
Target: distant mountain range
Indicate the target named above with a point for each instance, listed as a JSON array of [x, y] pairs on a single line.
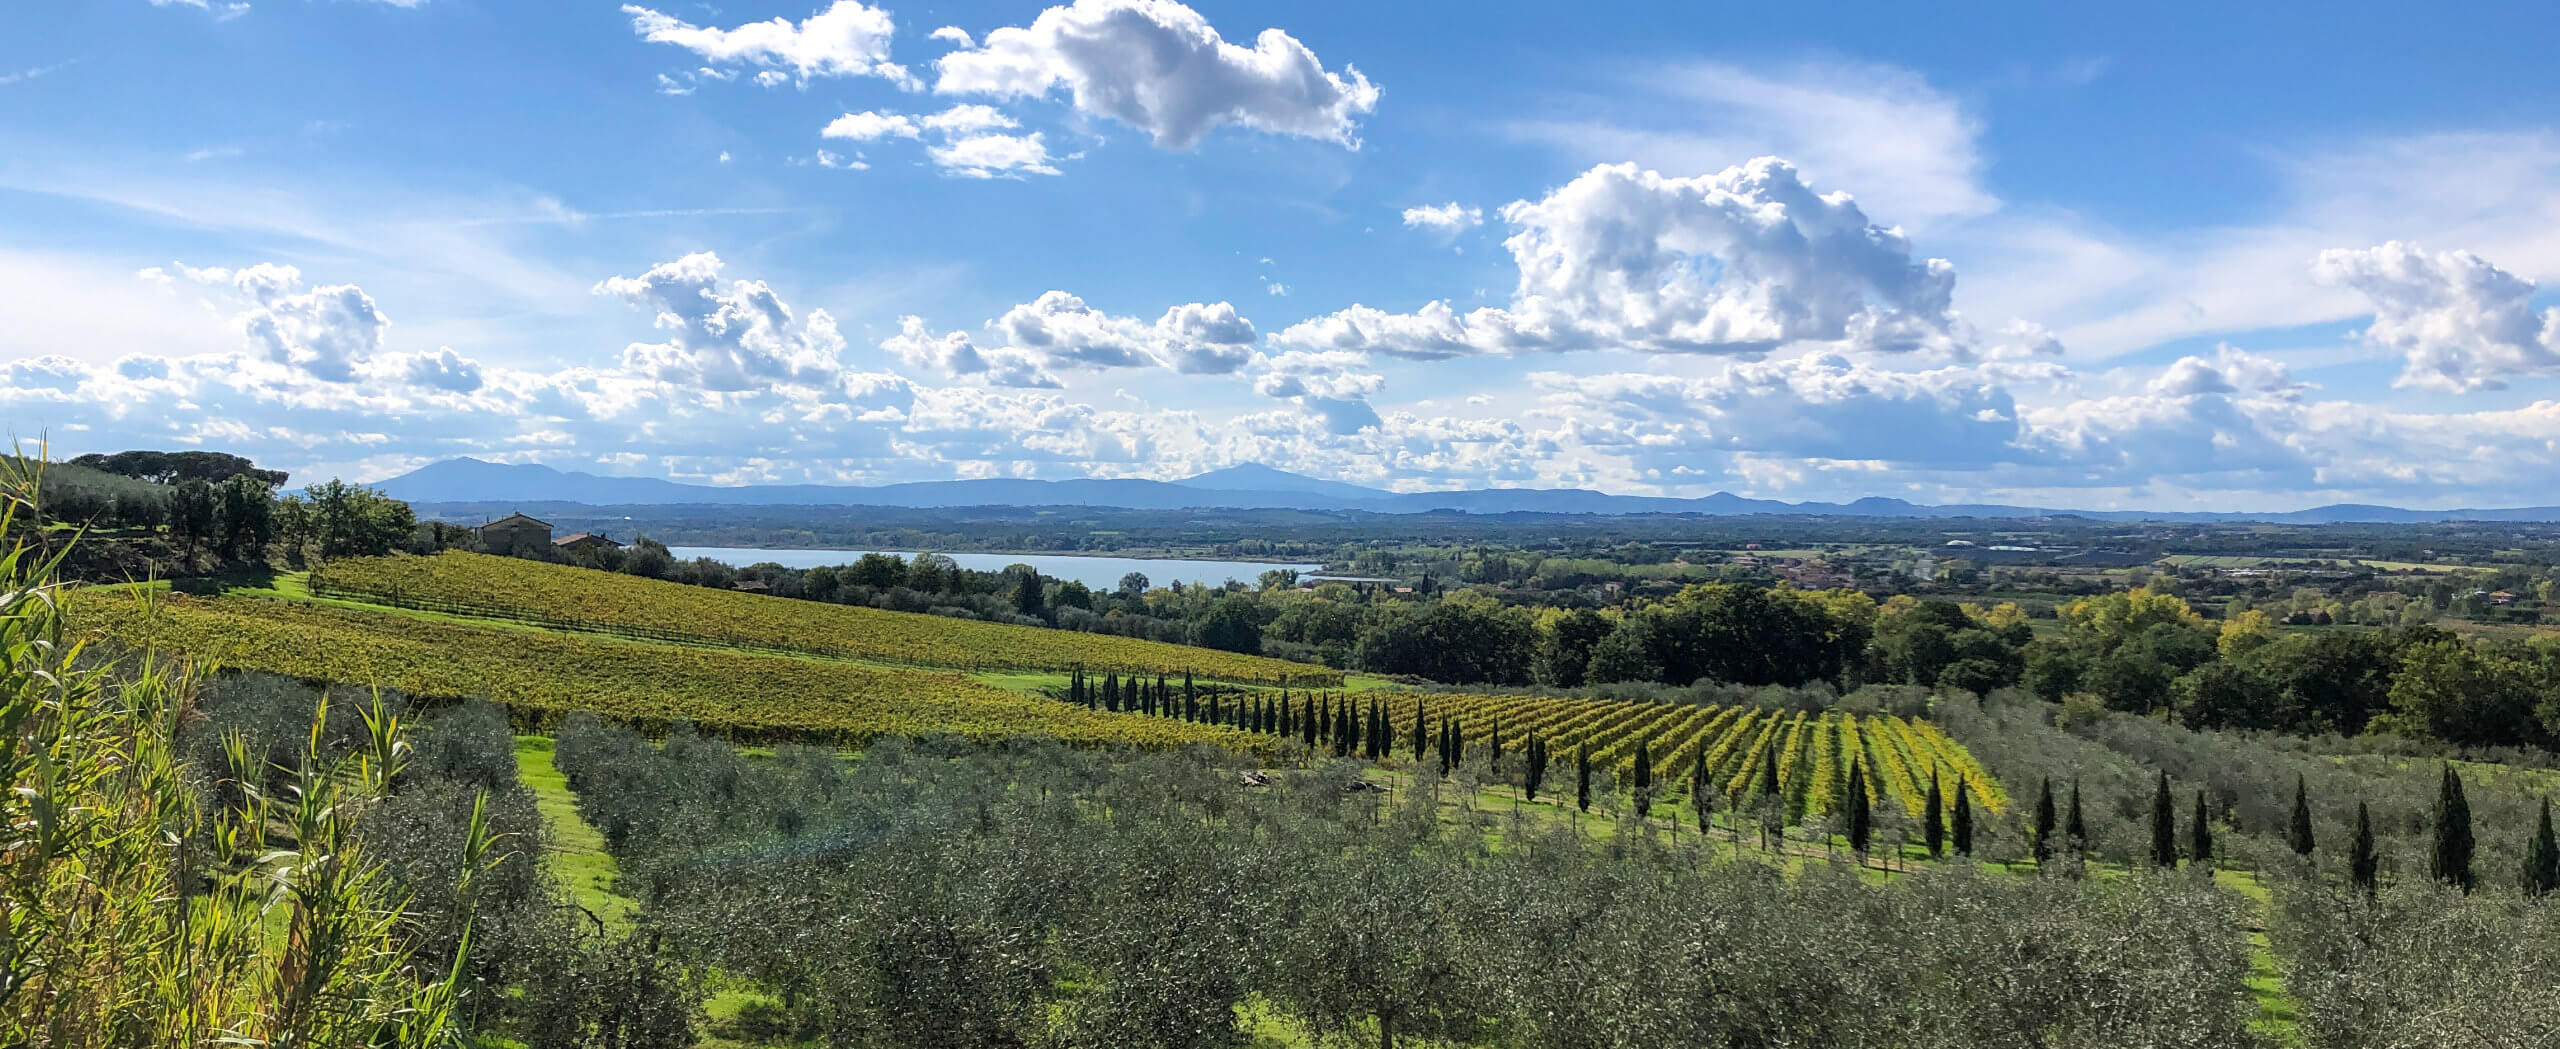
[[467, 480]]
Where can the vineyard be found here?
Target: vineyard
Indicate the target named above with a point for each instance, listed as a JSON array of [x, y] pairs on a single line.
[[583, 599], [540, 675], [1813, 753]]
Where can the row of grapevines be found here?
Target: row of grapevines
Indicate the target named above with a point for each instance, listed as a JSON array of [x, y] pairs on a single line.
[[610, 602], [1790, 765], [1824, 784], [1702, 729], [1737, 736], [1910, 779], [1853, 750], [1744, 778], [1952, 755]]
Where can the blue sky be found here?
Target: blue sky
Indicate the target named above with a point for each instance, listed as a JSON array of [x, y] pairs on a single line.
[[2214, 257]]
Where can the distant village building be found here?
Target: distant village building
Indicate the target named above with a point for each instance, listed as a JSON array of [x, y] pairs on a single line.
[[753, 586], [515, 535], [585, 541]]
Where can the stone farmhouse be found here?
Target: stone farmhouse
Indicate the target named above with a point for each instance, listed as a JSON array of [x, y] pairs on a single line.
[[515, 535]]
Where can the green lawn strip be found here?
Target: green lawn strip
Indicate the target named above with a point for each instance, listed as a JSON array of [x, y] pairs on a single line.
[[2279, 1015], [577, 854], [1022, 680]]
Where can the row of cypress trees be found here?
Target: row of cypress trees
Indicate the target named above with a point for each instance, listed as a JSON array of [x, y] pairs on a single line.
[[1315, 718], [2449, 859]]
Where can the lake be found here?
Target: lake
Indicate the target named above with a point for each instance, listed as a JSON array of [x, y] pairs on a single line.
[[1096, 571]]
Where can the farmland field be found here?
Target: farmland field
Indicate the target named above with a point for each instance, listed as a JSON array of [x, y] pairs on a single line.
[[540, 675], [579, 598]]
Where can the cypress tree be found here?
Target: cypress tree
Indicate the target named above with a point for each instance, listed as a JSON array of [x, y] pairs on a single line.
[[2542, 858], [1344, 728], [1644, 779], [2042, 845], [2200, 837], [2299, 835], [1446, 761], [1457, 743], [1496, 756], [1186, 681], [2451, 862], [2075, 830], [2363, 867], [1933, 830], [1861, 819], [1308, 723], [2164, 827], [1582, 778], [1535, 775], [1964, 820], [1769, 772], [1288, 724], [1701, 798], [1419, 725], [1111, 691]]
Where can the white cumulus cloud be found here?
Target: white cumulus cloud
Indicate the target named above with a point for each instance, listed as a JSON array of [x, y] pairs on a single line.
[[1158, 66], [869, 125], [993, 156], [729, 336], [325, 332], [847, 39], [1741, 261], [2462, 324], [1332, 385]]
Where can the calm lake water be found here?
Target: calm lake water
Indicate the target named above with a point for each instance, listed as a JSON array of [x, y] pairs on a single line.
[[1098, 572]]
